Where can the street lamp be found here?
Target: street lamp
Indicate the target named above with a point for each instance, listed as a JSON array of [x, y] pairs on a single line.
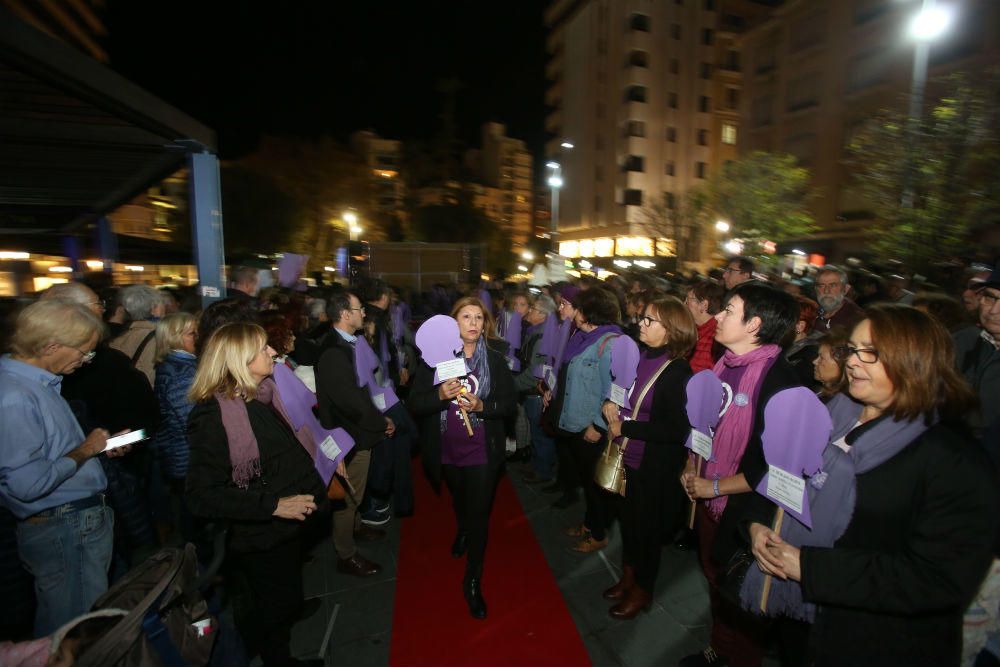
[[353, 228], [722, 226], [926, 26], [555, 184]]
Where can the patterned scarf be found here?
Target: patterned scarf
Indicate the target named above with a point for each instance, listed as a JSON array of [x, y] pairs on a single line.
[[244, 454]]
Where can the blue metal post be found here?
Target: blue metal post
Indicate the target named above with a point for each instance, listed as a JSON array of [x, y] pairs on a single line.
[[206, 226], [107, 243]]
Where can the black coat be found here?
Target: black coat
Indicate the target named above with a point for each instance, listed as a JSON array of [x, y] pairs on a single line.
[[286, 470], [340, 401], [893, 589], [498, 406]]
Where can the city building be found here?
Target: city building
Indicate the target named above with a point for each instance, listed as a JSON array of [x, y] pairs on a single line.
[[643, 100], [506, 164], [383, 158], [816, 70]]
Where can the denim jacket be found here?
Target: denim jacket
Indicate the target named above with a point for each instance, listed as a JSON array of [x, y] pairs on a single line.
[[588, 381]]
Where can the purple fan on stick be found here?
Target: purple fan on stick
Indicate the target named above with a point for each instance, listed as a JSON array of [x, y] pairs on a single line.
[[624, 362], [704, 403], [546, 348], [439, 341], [365, 365], [797, 429], [513, 337], [298, 401], [487, 300], [290, 267]]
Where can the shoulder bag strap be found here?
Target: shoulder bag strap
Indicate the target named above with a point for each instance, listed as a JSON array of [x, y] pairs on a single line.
[[642, 395], [142, 347], [604, 341]]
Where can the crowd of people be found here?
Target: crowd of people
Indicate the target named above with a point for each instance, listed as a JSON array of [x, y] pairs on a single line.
[[896, 567]]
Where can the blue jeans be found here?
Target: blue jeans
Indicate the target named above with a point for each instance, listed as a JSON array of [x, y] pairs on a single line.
[[544, 459], [69, 555]]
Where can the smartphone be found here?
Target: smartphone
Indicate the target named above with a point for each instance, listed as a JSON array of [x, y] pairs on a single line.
[[125, 439]]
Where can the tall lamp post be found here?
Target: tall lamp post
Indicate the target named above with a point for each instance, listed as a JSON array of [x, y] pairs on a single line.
[[555, 184], [926, 26]]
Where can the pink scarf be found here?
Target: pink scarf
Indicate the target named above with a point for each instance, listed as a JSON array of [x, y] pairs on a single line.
[[244, 454], [733, 432]]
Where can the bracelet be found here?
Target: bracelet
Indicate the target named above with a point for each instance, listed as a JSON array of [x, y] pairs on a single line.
[[715, 487]]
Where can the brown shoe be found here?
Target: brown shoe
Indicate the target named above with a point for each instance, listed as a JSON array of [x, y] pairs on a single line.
[[358, 566], [578, 531], [368, 534], [621, 589], [589, 545], [637, 600]]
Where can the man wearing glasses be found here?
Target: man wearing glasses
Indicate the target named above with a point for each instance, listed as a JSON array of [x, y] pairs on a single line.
[[738, 270], [836, 310], [49, 479], [977, 354]]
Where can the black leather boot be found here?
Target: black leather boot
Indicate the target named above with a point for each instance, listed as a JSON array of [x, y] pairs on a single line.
[[472, 588], [460, 545]]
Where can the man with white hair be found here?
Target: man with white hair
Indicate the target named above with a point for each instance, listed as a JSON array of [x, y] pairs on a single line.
[[544, 460], [836, 310], [144, 307], [49, 479]]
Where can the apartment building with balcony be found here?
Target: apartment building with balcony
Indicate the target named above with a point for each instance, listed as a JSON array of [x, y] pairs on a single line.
[[648, 94], [816, 70], [506, 165], [383, 159]]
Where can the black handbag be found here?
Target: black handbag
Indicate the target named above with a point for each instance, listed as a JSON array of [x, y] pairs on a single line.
[[732, 575]]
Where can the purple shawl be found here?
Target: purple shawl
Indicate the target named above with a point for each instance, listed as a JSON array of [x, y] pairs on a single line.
[[581, 340]]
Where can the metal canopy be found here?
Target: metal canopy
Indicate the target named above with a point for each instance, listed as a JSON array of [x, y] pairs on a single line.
[[77, 140]]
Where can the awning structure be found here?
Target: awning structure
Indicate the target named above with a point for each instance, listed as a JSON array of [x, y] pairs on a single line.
[[77, 140]]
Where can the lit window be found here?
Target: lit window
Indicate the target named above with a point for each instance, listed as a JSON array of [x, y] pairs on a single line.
[[729, 134]]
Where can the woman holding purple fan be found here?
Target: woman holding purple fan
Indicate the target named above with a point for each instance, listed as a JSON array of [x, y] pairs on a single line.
[[919, 508], [469, 461], [654, 452]]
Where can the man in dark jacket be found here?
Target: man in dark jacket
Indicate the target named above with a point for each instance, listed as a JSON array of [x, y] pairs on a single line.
[[342, 403]]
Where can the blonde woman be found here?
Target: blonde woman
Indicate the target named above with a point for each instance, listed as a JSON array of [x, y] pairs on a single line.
[[247, 468]]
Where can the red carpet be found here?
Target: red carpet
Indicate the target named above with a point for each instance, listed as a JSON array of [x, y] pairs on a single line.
[[528, 623]]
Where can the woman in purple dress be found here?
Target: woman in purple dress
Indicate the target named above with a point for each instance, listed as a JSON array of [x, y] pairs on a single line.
[[470, 464], [655, 430]]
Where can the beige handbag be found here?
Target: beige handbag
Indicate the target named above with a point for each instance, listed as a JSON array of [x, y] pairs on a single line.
[[609, 474]]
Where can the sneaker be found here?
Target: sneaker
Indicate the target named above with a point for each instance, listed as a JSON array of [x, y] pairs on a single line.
[[376, 516], [707, 658]]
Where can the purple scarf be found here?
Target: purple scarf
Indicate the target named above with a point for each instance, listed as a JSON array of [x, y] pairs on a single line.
[[832, 497], [734, 429], [580, 341], [244, 454]]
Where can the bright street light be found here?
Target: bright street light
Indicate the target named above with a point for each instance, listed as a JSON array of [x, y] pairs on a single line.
[[722, 226], [351, 218], [930, 23], [556, 181], [552, 165], [735, 247], [566, 144], [527, 255]]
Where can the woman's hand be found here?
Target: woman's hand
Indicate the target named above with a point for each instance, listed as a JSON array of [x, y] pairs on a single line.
[[615, 428], [449, 389], [686, 477], [698, 487], [295, 507], [546, 399], [471, 402], [610, 411], [762, 539], [342, 469], [789, 557], [390, 427], [591, 434]]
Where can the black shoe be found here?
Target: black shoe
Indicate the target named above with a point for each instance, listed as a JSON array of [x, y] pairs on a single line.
[[472, 589], [460, 545], [707, 658], [565, 501]]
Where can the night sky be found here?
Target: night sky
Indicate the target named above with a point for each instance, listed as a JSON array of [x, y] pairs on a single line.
[[334, 66]]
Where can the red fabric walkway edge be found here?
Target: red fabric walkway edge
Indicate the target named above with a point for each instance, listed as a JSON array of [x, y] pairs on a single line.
[[528, 623]]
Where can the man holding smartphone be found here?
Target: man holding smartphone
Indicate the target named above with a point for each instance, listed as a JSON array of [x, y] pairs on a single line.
[[48, 478]]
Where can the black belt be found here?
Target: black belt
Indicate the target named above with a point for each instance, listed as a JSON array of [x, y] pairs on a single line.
[[96, 500]]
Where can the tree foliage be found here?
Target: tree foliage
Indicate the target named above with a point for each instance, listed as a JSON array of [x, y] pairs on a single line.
[[946, 163]]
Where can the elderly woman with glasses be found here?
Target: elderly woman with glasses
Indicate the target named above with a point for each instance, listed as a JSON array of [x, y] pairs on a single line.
[[914, 501]]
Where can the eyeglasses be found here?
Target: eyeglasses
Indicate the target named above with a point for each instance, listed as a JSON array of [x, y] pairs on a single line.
[[865, 355], [361, 309], [85, 357], [101, 303], [646, 320], [988, 300]]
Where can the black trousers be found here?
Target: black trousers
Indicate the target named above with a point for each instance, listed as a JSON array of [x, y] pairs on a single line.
[[598, 513], [472, 489], [566, 472], [653, 499], [269, 599]]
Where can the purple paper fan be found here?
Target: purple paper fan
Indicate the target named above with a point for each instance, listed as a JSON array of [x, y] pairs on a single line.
[[624, 362], [438, 340], [704, 402]]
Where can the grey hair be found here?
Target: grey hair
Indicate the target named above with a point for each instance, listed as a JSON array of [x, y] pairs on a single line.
[[833, 268], [544, 304], [317, 307], [75, 292], [139, 301]]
